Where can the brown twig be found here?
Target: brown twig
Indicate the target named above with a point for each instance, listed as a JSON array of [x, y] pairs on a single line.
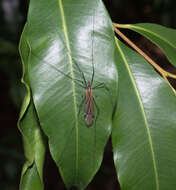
[[164, 73]]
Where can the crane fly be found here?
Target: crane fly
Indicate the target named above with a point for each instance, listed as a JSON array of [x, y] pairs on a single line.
[[89, 105], [90, 116], [90, 110], [88, 100]]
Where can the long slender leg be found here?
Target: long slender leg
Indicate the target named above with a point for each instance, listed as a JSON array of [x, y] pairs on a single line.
[[97, 115], [77, 81], [83, 100], [61, 156], [98, 111], [92, 50], [101, 85], [92, 73], [84, 79], [64, 147]]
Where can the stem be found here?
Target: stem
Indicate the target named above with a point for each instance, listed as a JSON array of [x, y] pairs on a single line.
[[164, 73]]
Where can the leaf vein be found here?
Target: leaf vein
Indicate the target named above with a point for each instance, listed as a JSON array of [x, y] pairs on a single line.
[[143, 113], [156, 35], [73, 84]]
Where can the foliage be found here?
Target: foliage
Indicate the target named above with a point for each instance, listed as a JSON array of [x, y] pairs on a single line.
[[57, 48]]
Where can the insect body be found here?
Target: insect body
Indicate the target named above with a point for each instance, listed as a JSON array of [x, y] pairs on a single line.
[[89, 101], [89, 106]]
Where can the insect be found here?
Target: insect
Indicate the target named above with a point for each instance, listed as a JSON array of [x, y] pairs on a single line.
[[88, 100], [89, 105], [91, 110], [71, 136]]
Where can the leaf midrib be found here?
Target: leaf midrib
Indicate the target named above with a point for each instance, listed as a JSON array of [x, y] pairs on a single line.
[[72, 76], [143, 113], [154, 34]]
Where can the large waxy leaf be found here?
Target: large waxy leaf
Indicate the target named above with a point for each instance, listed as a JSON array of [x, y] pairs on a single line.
[[164, 37], [33, 139], [64, 37], [144, 127]]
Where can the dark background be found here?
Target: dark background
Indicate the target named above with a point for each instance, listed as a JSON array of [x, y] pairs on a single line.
[[12, 18]]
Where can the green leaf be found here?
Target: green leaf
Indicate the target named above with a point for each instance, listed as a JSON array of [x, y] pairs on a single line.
[[144, 126], [34, 147], [33, 139], [31, 180], [163, 37], [64, 37]]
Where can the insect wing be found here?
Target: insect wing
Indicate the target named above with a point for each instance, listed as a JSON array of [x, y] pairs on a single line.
[[89, 108]]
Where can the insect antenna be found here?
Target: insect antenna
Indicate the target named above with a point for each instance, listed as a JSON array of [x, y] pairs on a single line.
[[92, 52]]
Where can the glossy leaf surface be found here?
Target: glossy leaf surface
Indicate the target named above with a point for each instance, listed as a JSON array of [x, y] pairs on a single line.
[[162, 36], [65, 39], [33, 139], [144, 127]]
